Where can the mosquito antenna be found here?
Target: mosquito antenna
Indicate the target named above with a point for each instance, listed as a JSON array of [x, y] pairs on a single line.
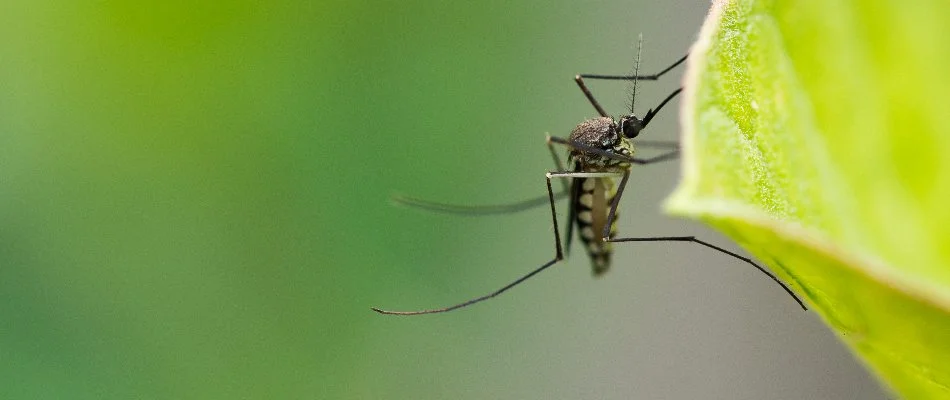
[[636, 73]]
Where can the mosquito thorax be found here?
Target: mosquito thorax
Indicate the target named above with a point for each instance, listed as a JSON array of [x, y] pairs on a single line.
[[601, 133]]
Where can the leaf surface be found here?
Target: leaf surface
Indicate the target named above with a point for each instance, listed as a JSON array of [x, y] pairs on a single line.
[[816, 136]]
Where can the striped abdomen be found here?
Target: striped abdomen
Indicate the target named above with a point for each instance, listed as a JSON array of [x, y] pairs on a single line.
[[591, 202]]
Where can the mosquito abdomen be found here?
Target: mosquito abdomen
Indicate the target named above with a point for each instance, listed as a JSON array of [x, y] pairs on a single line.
[[592, 203]]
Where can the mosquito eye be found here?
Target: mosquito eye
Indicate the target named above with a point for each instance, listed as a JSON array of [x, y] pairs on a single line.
[[631, 127]]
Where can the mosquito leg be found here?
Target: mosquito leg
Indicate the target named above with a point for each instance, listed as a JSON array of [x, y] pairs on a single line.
[[671, 155], [605, 235], [613, 211], [489, 209], [636, 77], [646, 120], [558, 165], [613, 156], [590, 96], [600, 110], [558, 255], [658, 144], [568, 189], [717, 248], [478, 210]]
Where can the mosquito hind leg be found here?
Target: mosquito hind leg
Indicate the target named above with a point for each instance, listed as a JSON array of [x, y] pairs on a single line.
[[558, 255], [610, 220], [693, 239], [475, 211], [489, 209]]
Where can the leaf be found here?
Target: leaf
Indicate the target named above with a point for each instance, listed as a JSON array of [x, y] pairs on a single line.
[[816, 135]]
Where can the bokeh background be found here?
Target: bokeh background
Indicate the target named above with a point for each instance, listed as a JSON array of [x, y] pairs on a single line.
[[194, 203]]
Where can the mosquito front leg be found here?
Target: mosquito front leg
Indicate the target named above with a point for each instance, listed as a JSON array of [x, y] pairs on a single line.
[[653, 77], [590, 96], [579, 79]]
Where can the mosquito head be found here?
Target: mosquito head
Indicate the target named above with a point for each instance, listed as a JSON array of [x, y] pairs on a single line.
[[601, 133], [631, 126]]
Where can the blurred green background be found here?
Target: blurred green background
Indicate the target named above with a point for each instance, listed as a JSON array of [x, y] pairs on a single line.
[[194, 203]]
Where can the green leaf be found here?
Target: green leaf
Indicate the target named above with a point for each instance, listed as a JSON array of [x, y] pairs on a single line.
[[817, 136]]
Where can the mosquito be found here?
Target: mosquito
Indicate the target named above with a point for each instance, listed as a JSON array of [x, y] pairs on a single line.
[[600, 151]]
